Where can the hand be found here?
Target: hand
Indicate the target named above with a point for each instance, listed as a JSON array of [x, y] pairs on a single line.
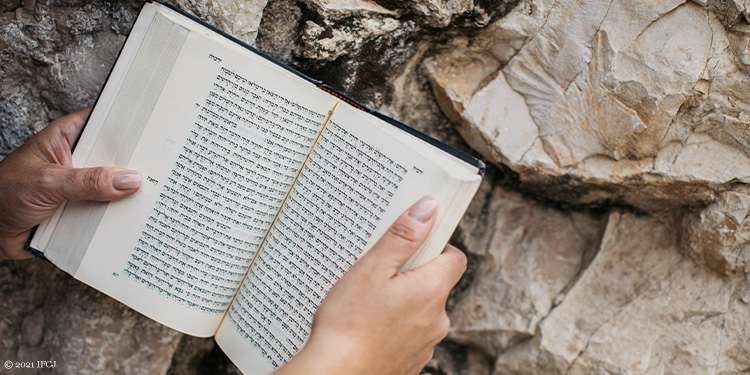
[[39, 176], [377, 320]]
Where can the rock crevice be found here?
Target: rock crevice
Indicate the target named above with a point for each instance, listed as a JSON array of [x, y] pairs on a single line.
[[583, 107]]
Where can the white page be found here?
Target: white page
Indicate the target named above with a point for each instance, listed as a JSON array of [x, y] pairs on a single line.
[[156, 156], [114, 83], [358, 180]]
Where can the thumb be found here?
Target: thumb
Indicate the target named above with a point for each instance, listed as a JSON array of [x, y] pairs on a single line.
[[96, 184], [404, 237]]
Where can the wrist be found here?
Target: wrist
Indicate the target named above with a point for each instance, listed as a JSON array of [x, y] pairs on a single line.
[[327, 357]]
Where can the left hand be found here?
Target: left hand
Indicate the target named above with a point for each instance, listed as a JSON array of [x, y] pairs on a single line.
[[39, 176]]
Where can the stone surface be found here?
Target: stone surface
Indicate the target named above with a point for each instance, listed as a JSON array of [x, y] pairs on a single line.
[[49, 316], [636, 101], [719, 236], [455, 359], [524, 266], [197, 356], [53, 59], [608, 103], [240, 19], [641, 307], [361, 46]]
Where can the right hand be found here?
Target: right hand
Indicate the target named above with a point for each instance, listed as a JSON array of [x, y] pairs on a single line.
[[377, 320]]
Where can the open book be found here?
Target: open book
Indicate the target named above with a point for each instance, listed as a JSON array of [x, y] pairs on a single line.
[[261, 189]]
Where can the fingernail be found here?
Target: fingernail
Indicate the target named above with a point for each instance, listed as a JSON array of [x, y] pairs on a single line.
[[126, 180], [423, 210]]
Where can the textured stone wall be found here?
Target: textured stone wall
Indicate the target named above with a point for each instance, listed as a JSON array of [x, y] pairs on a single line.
[[609, 236]]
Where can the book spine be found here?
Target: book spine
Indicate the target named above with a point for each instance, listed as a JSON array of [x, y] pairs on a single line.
[[416, 133], [343, 97], [459, 154]]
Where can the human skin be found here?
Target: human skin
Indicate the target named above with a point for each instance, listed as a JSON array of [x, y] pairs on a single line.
[[375, 320], [39, 176]]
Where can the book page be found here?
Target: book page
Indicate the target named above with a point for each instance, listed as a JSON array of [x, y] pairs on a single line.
[[357, 181], [225, 140]]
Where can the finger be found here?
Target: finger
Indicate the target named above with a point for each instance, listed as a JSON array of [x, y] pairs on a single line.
[[98, 184], [448, 267], [70, 126], [404, 237]]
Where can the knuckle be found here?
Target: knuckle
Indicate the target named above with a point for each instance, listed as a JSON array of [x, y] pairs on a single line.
[[404, 232], [47, 178], [461, 261], [93, 178], [444, 326], [46, 184], [93, 181], [458, 260], [440, 328], [66, 128]]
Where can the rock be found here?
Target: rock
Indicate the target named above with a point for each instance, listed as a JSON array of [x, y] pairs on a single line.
[[734, 357], [49, 316], [451, 358], [337, 10], [719, 235], [639, 308], [523, 268], [361, 46], [277, 32], [608, 96], [240, 19], [54, 58], [327, 44], [195, 356], [440, 13], [344, 28], [584, 102]]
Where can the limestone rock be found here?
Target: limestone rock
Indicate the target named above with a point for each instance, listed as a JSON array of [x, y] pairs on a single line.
[[734, 357], [277, 34], [523, 268], [328, 44], [637, 101], [240, 19], [197, 356], [439, 13], [344, 28], [49, 316], [639, 308], [53, 60], [454, 359], [355, 43], [719, 235], [337, 10]]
